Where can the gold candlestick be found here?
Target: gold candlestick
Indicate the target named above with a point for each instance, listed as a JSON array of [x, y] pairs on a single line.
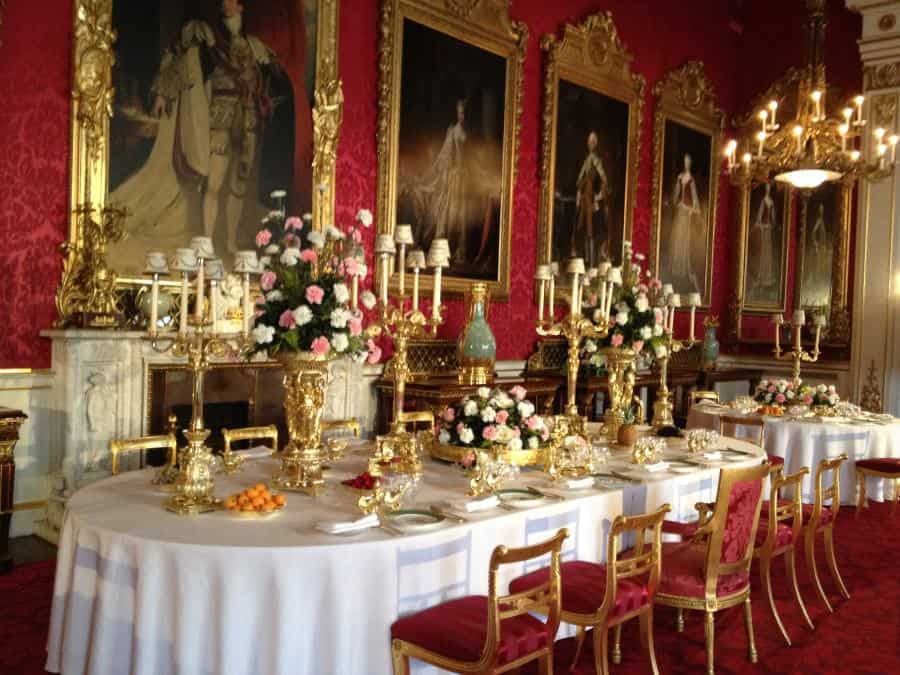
[[662, 407], [797, 354]]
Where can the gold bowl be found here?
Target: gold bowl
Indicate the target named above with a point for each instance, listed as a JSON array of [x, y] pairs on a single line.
[[456, 453]]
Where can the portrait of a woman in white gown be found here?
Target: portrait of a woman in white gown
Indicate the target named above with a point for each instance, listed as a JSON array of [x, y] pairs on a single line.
[[818, 246], [764, 275]]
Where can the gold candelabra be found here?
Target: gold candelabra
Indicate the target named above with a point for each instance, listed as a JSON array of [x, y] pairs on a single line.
[[797, 354], [402, 325], [662, 407]]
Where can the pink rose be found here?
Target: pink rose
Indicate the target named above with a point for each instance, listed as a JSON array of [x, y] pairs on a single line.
[[289, 240], [780, 398], [351, 266], [449, 414], [545, 434], [267, 280], [642, 288], [355, 326], [459, 428], [314, 294], [308, 255], [374, 352], [287, 320], [516, 432], [655, 284], [489, 432], [772, 389], [808, 400], [357, 236], [533, 422], [637, 345], [617, 339], [657, 316], [293, 223], [468, 460], [518, 392], [321, 345], [502, 416], [263, 237]]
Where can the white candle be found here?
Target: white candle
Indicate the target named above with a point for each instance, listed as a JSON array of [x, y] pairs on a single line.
[[576, 309], [777, 319], [773, 107], [693, 317], [797, 131], [415, 304], [816, 97], [183, 310], [384, 278], [436, 297], [402, 272], [859, 104], [214, 303], [354, 295], [892, 140], [843, 130], [154, 302], [552, 293], [540, 299], [201, 289], [763, 115], [761, 137], [602, 299], [245, 291]]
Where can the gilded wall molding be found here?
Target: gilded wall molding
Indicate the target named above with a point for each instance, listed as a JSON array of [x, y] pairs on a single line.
[[686, 96], [881, 76], [884, 110]]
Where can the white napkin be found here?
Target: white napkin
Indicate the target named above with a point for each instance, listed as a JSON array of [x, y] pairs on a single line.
[[257, 452], [653, 468], [578, 483], [363, 523], [712, 456], [473, 505]]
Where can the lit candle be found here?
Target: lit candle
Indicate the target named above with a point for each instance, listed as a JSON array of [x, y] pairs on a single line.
[[747, 158], [554, 270], [384, 249], [797, 131], [773, 107], [403, 236], [694, 300], [777, 319], [541, 275], [201, 289], [816, 97], [213, 303], [882, 149], [879, 134], [436, 298], [438, 257], [763, 116], [892, 140], [859, 104], [247, 310], [154, 302], [854, 155], [761, 137], [183, 309], [798, 320], [848, 115], [843, 130]]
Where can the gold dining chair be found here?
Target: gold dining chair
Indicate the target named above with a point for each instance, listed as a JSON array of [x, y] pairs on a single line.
[[729, 425], [698, 395], [820, 518], [232, 461], [142, 444]]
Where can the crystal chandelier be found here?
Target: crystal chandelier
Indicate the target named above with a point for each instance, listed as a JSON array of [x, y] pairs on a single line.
[[812, 148]]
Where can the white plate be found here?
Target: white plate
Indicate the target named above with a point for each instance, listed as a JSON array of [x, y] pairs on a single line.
[[676, 467], [414, 520], [519, 499]]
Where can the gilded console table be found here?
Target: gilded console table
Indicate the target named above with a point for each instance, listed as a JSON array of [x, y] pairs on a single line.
[[10, 421]]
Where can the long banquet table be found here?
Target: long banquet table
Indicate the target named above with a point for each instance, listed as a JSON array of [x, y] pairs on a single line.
[[139, 590], [806, 442]]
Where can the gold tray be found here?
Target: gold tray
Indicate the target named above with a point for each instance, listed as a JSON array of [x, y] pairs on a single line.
[[523, 457]]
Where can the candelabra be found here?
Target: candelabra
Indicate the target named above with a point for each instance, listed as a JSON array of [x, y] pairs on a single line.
[[574, 328], [402, 325], [197, 342], [797, 354], [662, 408]]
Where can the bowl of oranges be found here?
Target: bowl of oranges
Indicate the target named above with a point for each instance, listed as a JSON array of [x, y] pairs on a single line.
[[255, 502]]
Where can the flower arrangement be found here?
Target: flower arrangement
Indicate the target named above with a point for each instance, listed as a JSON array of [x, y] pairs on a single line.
[[310, 284], [493, 417], [636, 323], [783, 393]]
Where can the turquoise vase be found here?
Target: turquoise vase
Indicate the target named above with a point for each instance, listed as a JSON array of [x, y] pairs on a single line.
[[710, 348], [477, 345]]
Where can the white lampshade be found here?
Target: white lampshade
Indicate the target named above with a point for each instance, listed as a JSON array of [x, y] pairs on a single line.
[[185, 260], [416, 259], [215, 270], [674, 300], [156, 263], [246, 262], [384, 245], [542, 273], [603, 269], [575, 266], [204, 247], [403, 235], [439, 253], [694, 300], [819, 320], [667, 290], [799, 317], [614, 275]]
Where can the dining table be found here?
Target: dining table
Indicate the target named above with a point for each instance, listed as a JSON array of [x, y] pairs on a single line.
[[805, 440], [144, 591]]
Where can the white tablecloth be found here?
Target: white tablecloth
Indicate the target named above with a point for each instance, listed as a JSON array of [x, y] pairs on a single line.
[[142, 591], [807, 442]]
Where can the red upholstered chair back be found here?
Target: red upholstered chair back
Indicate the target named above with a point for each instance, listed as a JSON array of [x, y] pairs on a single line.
[[643, 561], [543, 599], [828, 487], [732, 527]]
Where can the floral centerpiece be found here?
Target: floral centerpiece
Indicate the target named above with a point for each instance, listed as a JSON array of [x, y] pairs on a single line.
[[493, 419], [635, 323], [781, 393]]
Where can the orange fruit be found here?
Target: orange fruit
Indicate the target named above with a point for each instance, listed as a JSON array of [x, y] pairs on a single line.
[[231, 503], [258, 501], [279, 500], [267, 507], [259, 487], [243, 499], [247, 507]]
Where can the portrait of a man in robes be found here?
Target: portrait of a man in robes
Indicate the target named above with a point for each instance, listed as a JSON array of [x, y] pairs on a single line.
[[213, 113]]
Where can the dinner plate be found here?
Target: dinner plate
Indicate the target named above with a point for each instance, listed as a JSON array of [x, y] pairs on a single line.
[[414, 520], [682, 467], [519, 499]]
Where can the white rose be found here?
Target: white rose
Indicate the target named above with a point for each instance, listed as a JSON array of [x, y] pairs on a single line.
[[274, 296], [333, 233], [364, 216], [598, 316], [264, 262], [483, 392], [466, 436], [339, 318], [622, 318], [444, 437], [640, 256], [590, 346], [833, 399], [515, 444], [290, 256], [821, 388], [307, 218], [660, 351], [272, 249], [789, 394], [317, 239], [368, 299], [340, 342], [657, 330], [341, 294], [302, 315], [263, 334], [642, 304], [525, 408], [470, 408], [488, 414], [504, 401], [646, 333], [533, 442]]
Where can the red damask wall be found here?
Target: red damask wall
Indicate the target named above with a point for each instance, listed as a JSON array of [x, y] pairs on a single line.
[[743, 49]]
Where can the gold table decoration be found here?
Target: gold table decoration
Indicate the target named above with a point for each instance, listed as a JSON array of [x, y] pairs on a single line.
[[797, 354], [620, 368], [662, 407], [458, 453]]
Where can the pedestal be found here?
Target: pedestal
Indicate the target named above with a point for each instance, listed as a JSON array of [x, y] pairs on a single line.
[[10, 421]]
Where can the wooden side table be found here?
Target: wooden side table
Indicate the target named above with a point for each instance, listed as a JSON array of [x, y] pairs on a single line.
[[436, 392], [10, 421]]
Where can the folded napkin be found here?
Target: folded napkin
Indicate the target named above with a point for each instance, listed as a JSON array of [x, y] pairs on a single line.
[[713, 456], [258, 452], [474, 505], [653, 468], [363, 523], [578, 483]]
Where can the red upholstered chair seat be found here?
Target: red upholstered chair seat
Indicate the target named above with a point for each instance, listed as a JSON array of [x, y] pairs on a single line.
[[827, 515], [882, 464], [784, 534], [457, 629], [583, 588], [683, 565], [775, 460]]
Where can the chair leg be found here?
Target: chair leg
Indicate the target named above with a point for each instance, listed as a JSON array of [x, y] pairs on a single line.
[[617, 645], [579, 643], [601, 650], [710, 629], [748, 622], [861, 498], [401, 661], [765, 577], [646, 620], [790, 564], [679, 620], [832, 561], [811, 567], [545, 664]]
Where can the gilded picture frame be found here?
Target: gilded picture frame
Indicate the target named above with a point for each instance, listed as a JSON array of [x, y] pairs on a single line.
[[94, 55], [476, 29], [686, 106], [589, 56], [748, 215]]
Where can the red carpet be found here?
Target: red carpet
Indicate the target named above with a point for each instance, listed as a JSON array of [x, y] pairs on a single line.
[[861, 637]]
